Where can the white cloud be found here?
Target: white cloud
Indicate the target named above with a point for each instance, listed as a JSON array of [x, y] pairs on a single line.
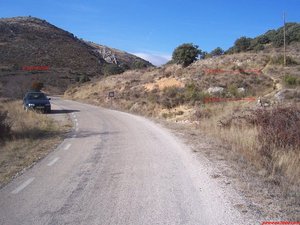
[[155, 59]]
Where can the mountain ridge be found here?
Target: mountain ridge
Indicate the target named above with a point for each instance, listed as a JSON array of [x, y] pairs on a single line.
[[30, 41]]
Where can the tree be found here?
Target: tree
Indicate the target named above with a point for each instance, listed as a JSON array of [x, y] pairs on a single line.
[[186, 54], [37, 86], [263, 39], [203, 55], [242, 44], [217, 51]]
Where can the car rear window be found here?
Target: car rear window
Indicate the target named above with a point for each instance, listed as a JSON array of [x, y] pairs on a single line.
[[36, 96]]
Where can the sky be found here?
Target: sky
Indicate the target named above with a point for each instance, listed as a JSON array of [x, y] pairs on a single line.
[[152, 29]]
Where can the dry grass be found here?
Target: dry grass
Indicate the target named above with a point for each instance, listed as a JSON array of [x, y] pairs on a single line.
[[32, 136], [164, 83], [235, 136], [281, 163]]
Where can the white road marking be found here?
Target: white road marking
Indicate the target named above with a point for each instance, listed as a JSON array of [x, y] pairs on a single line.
[[75, 120], [67, 146], [76, 129], [74, 136], [22, 186], [76, 124], [53, 161]]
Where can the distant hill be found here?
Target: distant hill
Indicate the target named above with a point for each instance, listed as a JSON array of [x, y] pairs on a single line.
[[122, 59], [35, 50]]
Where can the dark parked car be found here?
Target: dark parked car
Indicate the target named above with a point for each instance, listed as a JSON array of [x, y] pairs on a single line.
[[37, 101]]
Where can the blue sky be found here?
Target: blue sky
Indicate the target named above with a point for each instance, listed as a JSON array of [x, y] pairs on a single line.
[[154, 28]]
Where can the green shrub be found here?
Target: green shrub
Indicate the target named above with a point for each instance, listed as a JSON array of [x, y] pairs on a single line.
[[258, 47], [139, 65], [172, 97], [233, 90], [274, 37], [111, 69], [217, 52], [278, 40], [242, 44], [192, 93], [263, 39], [82, 78], [291, 80]]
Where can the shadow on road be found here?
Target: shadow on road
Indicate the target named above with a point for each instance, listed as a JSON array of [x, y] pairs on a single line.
[[63, 111]]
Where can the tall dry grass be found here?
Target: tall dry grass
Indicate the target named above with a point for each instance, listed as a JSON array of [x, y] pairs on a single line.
[[251, 140], [32, 136], [27, 124]]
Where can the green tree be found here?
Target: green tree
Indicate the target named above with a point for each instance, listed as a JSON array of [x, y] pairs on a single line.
[[112, 69], [139, 65], [263, 39], [278, 40], [204, 55], [217, 51], [186, 54], [242, 44]]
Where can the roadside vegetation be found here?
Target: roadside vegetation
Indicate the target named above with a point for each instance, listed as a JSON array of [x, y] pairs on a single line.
[[269, 138], [217, 100], [25, 137]]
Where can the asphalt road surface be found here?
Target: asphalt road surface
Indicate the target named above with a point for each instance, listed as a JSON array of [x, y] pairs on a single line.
[[115, 168]]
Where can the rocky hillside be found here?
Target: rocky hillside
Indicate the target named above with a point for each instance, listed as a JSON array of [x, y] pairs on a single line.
[[33, 49], [239, 75], [122, 59]]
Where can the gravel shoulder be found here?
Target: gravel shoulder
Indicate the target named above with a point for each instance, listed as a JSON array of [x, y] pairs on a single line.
[[252, 193]]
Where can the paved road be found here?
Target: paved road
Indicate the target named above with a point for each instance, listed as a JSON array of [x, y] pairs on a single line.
[[115, 168]]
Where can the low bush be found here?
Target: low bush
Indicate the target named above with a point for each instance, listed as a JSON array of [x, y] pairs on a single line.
[[291, 80], [112, 69], [268, 138], [203, 113], [82, 78], [5, 125], [278, 129], [279, 60], [193, 94], [174, 96]]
